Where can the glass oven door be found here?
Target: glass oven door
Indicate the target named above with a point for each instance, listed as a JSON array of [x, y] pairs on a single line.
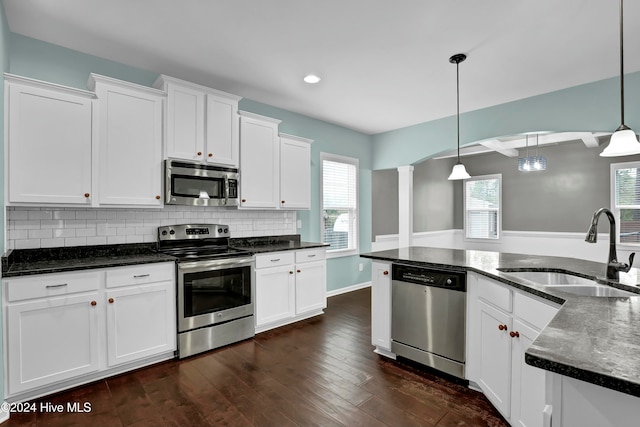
[[214, 291]]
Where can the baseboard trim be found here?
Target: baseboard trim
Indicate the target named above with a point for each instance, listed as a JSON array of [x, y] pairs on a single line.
[[346, 289], [4, 412]]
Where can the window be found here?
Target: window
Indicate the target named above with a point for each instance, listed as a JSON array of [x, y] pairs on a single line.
[[482, 201], [339, 204], [625, 201]]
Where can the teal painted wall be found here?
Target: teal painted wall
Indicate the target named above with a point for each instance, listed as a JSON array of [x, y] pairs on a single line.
[[589, 107], [4, 61], [52, 63], [333, 139]]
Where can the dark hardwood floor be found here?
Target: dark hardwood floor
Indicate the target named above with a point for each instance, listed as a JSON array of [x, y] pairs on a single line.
[[318, 372]]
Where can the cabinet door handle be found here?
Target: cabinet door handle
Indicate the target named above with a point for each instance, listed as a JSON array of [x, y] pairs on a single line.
[[502, 327], [515, 334], [311, 256], [93, 303], [210, 154], [158, 197], [140, 276], [87, 195], [111, 300], [243, 200], [298, 271], [57, 286], [386, 273], [282, 201], [275, 260], [291, 272], [199, 153]]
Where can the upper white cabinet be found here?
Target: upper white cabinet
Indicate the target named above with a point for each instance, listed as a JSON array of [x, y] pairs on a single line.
[[201, 123], [128, 125], [259, 162], [48, 147], [275, 169], [295, 172]]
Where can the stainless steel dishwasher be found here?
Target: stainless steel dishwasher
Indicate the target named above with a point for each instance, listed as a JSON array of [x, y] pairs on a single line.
[[428, 317]]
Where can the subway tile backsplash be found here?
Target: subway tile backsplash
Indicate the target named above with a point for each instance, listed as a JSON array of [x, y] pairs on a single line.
[[54, 227]]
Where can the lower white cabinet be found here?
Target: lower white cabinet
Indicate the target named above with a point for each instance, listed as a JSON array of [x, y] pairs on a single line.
[[381, 307], [66, 329], [290, 286], [502, 323]]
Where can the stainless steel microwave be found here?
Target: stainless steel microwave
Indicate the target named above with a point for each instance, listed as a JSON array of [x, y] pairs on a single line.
[[195, 184]]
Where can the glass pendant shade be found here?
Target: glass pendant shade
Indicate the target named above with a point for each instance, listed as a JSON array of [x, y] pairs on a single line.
[[459, 172], [624, 142]]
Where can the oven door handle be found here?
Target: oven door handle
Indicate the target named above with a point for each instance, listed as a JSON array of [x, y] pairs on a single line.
[[217, 264]]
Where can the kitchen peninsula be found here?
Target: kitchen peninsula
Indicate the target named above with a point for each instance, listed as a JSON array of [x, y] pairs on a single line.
[[588, 349]]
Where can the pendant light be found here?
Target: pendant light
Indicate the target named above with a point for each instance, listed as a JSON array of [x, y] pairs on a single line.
[[623, 141], [459, 171]]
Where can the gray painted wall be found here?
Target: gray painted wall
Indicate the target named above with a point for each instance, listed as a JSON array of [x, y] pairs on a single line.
[[384, 202], [433, 196], [560, 199]]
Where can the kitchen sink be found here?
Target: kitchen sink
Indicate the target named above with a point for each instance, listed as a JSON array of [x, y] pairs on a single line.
[[569, 283]]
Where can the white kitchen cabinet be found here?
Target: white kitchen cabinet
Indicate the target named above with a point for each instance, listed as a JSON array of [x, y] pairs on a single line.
[[128, 124], [381, 307], [259, 162], [66, 329], [201, 123], [141, 312], [295, 172], [290, 286], [503, 322], [49, 142]]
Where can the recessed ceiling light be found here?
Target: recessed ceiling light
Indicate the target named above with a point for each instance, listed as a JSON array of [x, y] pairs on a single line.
[[311, 78]]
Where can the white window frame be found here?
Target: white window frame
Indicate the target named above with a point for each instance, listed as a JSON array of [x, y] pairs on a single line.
[[356, 237], [613, 208], [497, 176]]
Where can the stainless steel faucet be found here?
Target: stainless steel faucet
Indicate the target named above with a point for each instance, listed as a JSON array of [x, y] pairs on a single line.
[[613, 266]]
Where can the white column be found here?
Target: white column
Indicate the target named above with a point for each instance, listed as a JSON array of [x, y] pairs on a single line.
[[405, 205]]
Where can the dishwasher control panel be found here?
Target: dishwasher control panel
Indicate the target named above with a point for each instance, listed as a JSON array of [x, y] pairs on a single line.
[[448, 279]]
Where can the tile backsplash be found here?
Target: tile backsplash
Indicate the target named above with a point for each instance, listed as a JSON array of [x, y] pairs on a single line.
[[46, 227]]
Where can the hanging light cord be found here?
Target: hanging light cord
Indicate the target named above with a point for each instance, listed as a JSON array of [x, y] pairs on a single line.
[[621, 70], [458, 105]]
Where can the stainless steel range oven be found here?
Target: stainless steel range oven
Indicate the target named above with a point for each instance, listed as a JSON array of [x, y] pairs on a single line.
[[216, 286]]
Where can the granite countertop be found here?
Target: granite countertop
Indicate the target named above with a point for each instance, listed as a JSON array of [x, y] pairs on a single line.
[[593, 339], [24, 262], [289, 242]]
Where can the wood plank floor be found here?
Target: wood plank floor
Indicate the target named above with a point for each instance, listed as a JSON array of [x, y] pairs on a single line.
[[318, 372]]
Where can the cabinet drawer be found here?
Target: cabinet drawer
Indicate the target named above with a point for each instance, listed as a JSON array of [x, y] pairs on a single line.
[[49, 285], [274, 259], [495, 294], [140, 274], [310, 255], [533, 311]]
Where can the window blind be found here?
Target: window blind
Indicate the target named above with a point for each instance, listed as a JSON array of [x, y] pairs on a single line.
[[627, 203], [339, 204], [482, 208]]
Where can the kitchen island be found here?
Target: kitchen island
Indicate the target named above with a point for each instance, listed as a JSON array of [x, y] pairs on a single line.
[[594, 340]]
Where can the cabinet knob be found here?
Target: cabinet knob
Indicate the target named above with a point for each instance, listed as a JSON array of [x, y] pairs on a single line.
[[93, 303], [298, 271], [199, 153], [502, 327], [282, 201], [291, 272], [243, 200], [158, 197], [386, 273], [111, 300], [87, 195], [210, 154], [515, 334]]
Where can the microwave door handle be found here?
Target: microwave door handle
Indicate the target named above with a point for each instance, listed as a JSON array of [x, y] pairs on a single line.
[[226, 189]]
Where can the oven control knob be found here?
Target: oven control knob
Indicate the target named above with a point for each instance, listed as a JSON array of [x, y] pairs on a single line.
[[226, 230], [164, 233], [219, 230], [172, 232], [449, 281]]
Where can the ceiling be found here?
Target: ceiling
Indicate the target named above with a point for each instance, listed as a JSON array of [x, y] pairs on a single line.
[[384, 64]]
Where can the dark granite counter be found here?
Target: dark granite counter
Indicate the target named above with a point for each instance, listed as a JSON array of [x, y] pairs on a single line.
[[23, 262], [593, 339], [289, 242]]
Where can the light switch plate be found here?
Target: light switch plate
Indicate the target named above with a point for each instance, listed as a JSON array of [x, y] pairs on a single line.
[[299, 223]]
